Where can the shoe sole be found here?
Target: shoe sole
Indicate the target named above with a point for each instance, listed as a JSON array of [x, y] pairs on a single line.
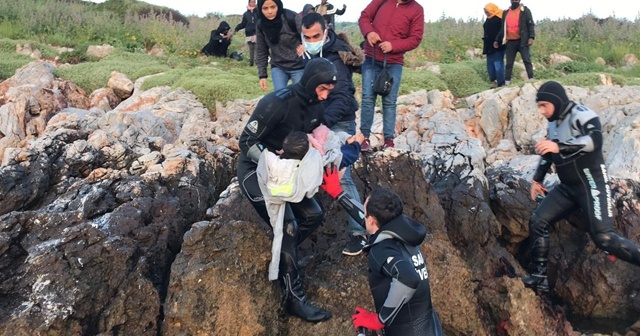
[[351, 253]]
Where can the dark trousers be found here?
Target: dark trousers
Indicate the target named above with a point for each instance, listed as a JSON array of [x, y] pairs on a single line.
[[252, 52], [300, 219], [513, 47], [595, 204]]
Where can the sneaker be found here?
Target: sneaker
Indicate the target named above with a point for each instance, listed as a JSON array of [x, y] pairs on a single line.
[[355, 245], [388, 143], [365, 146], [507, 82]]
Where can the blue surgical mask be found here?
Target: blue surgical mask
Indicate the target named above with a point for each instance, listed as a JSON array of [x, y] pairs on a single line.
[[315, 48]]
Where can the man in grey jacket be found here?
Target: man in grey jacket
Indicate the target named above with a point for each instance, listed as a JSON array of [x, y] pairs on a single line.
[[517, 34]]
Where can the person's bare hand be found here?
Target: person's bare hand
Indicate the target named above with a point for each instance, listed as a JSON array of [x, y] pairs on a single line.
[[537, 189], [373, 38], [496, 45], [263, 84], [547, 146], [530, 42], [300, 50], [386, 47], [359, 137]]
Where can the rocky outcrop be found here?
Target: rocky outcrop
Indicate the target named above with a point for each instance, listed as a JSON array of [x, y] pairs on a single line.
[[119, 215]]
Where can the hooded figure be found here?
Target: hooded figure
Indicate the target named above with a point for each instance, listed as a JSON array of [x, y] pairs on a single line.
[[554, 93], [308, 8], [219, 41], [294, 108]]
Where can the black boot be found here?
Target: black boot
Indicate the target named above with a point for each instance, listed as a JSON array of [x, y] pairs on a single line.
[[297, 304], [538, 278]]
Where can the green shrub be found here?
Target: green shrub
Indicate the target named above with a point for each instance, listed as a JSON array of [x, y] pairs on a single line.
[[588, 80], [420, 80], [462, 80], [578, 67]]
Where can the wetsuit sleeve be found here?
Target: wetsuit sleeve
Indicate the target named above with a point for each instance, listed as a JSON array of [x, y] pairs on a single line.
[[404, 282], [262, 54], [265, 118], [543, 167], [588, 123]]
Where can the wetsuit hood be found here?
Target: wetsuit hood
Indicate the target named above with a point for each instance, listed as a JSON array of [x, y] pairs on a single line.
[[317, 71], [223, 27], [403, 228], [555, 94]]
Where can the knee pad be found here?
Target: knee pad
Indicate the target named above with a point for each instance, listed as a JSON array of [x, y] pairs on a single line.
[[605, 240]]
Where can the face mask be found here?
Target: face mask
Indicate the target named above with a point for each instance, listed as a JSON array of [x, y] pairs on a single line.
[[314, 48], [515, 5]]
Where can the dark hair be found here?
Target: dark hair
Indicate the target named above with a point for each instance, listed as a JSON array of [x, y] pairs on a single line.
[[311, 19], [385, 205], [295, 145]]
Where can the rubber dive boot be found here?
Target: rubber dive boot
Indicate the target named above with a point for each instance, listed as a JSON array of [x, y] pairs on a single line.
[[537, 280]]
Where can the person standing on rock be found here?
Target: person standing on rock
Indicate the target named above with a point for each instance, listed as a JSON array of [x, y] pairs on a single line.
[[297, 107], [398, 276], [390, 29], [495, 56], [341, 106], [517, 34], [574, 146], [248, 23]]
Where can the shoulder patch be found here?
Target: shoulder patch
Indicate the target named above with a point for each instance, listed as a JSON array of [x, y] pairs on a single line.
[[253, 126], [389, 260], [581, 108]]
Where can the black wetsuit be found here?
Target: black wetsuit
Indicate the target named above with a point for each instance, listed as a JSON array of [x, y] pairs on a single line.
[[583, 185], [275, 116], [399, 280]]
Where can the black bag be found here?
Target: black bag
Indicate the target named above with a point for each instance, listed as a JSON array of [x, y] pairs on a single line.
[[383, 83]]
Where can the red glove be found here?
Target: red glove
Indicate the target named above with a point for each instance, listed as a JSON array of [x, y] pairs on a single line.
[[331, 181], [366, 319]]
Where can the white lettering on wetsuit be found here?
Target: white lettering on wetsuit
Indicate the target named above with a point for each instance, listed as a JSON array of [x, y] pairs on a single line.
[[418, 261], [594, 194]]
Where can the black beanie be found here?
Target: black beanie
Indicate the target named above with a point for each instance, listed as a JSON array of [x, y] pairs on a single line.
[[555, 94], [317, 71]]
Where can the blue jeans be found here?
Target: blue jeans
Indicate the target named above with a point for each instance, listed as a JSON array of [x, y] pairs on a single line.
[[495, 67], [347, 184], [280, 77], [369, 74]]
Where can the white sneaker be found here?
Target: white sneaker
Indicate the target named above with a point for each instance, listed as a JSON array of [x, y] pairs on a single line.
[[507, 83]]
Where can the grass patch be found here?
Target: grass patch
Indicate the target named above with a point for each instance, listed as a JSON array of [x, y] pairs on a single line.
[[94, 75], [420, 80], [462, 80], [10, 62], [9, 46], [223, 81]]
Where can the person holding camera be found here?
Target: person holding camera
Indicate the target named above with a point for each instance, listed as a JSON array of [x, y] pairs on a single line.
[[390, 29]]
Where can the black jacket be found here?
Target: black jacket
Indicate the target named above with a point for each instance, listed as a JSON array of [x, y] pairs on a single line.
[[527, 27], [491, 28], [278, 114], [249, 21], [399, 280], [283, 54], [218, 44], [341, 104]]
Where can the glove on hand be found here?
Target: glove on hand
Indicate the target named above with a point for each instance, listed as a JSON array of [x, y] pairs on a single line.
[[366, 319], [331, 181]]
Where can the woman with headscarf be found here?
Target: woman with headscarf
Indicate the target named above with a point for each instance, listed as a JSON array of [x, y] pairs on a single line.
[[278, 38], [219, 41], [495, 56]]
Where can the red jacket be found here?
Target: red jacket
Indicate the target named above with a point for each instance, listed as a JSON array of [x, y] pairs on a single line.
[[402, 24]]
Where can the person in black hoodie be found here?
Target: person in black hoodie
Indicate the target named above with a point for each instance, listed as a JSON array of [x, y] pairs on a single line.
[[248, 23], [219, 41], [278, 38], [398, 276], [341, 106], [294, 108], [495, 56], [574, 146]]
